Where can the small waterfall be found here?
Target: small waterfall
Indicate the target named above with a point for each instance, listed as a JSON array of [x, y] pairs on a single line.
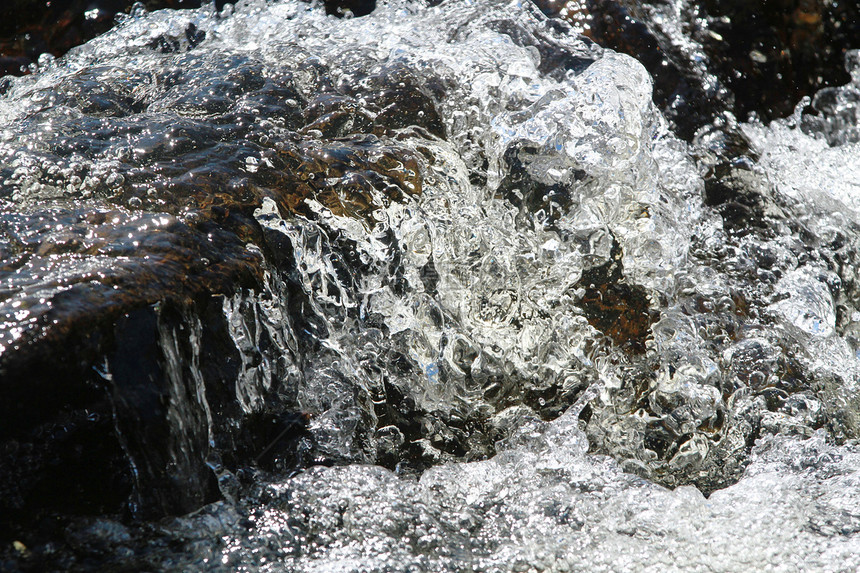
[[437, 288]]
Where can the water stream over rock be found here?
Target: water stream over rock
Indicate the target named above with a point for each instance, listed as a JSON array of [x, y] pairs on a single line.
[[438, 288]]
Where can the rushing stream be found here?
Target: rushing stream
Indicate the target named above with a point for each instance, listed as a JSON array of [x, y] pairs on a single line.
[[433, 289]]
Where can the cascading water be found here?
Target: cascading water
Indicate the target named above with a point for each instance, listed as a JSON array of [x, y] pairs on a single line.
[[529, 326]]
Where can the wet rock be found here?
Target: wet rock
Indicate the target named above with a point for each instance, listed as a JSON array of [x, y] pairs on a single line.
[[707, 58], [31, 28], [174, 322], [684, 88], [771, 54]]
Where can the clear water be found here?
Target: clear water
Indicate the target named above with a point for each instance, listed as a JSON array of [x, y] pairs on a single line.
[[460, 188]]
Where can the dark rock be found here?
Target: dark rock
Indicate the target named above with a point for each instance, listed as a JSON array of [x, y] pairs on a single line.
[[682, 87], [151, 331], [615, 307], [30, 28], [771, 54], [751, 57]]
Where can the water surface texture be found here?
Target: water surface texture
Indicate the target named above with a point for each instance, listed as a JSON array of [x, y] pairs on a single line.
[[433, 289]]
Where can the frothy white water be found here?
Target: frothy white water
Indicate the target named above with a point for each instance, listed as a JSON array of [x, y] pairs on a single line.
[[468, 298], [542, 504]]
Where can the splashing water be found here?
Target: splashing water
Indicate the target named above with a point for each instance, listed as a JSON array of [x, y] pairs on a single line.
[[487, 267]]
